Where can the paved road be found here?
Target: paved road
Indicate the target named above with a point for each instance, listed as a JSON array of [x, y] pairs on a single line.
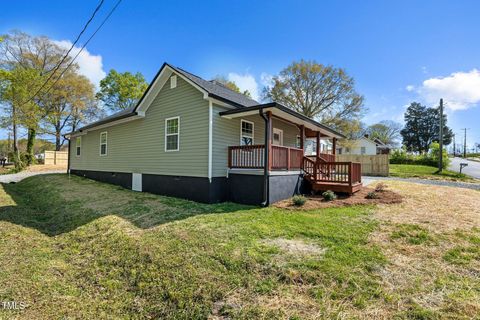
[[473, 168], [16, 177], [475, 186]]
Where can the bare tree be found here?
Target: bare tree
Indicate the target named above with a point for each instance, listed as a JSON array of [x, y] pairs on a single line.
[[30, 62], [387, 131], [67, 104], [318, 91]]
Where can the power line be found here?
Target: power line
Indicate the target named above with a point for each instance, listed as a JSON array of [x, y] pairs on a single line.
[[66, 54], [83, 47]]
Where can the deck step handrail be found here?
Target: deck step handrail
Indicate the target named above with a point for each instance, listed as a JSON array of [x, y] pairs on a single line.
[[336, 172]]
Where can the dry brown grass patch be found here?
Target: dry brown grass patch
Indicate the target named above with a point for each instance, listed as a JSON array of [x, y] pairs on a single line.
[[295, 247], [418, 274], [45, 167], [434, 207]]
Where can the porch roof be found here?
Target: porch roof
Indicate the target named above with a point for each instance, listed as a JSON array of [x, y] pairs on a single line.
[[284, 113]]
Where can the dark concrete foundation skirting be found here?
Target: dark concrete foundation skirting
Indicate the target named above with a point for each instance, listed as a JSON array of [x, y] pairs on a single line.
[[282, 187], [245, 188], [191, 188], [240, 188], [248, 189], [119, 178]]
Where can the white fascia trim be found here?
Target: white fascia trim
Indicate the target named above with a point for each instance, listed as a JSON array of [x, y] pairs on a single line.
[[222, 103], [286, 116], [210, 139], [158, 85]]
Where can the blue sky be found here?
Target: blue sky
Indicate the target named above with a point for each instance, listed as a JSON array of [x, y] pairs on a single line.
[[397, 51]]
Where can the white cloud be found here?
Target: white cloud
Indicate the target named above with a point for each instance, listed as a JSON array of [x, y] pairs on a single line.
[[460, 90], [410, 88], [90, 65], [266, 79], [246, 82]]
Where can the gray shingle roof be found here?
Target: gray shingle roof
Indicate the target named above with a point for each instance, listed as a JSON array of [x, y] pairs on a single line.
[[218, 90], [213, 88]]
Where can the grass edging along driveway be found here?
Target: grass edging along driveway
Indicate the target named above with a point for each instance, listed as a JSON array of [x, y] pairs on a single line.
[[426, 172], [72, 247]]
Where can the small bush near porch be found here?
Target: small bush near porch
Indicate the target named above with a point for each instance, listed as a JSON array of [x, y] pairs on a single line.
[[75, 248]]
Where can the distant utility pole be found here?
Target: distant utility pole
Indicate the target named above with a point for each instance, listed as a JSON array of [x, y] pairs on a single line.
[[465, 142], [454, 151], [440, 138]]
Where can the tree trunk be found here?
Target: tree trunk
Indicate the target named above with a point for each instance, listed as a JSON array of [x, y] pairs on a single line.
[[30, 142], [58, 137], [16, 154]]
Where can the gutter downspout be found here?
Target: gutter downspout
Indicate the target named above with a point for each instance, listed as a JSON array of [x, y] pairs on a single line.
[[266, 158], [210, 139], [69, 152]]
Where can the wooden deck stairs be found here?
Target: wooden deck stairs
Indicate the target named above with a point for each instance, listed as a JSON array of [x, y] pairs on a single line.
[[345, 177]]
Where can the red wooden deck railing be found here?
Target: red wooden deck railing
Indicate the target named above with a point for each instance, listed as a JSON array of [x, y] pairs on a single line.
[[337, 172], [246, 157], [252, 157], [324, 157], [327, 157], [286, 158]]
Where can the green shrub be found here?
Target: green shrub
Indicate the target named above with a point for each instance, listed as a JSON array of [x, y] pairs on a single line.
[[372, 195], [329, 195], [298, 200], [434, 154], [401, 156]]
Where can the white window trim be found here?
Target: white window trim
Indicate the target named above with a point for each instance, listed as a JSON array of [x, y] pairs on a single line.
[[106, 144], [298, 138], [173, 81], [241, 132], [172, 134], [76, 146], [280, 133]]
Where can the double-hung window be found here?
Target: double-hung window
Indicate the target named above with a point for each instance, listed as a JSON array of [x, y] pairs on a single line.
[[172, 134], [103, 144], [78, 146], [246, 134], [298, 142]]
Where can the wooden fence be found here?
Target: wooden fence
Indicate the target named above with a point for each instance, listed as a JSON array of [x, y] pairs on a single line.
[[59, 158], [372, 165]]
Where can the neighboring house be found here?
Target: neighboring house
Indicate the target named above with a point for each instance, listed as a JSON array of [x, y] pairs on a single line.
[[326, 146], [382, 148], [363, 146], [196, 139]]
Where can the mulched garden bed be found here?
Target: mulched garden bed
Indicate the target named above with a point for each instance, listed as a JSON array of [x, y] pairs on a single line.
[[317, 202]]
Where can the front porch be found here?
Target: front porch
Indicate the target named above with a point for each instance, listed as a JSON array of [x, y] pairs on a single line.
[[319, 168], [322, 171]]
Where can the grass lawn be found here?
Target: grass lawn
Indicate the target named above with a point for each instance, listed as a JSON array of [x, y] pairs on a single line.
[[426, 172], [75, 248]]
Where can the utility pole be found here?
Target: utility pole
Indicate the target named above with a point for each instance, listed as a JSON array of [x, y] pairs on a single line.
[[440, 138], [454, 151], [465, 142]]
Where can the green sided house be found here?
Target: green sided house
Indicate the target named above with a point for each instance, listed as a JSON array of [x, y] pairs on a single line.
[[196, 139]]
